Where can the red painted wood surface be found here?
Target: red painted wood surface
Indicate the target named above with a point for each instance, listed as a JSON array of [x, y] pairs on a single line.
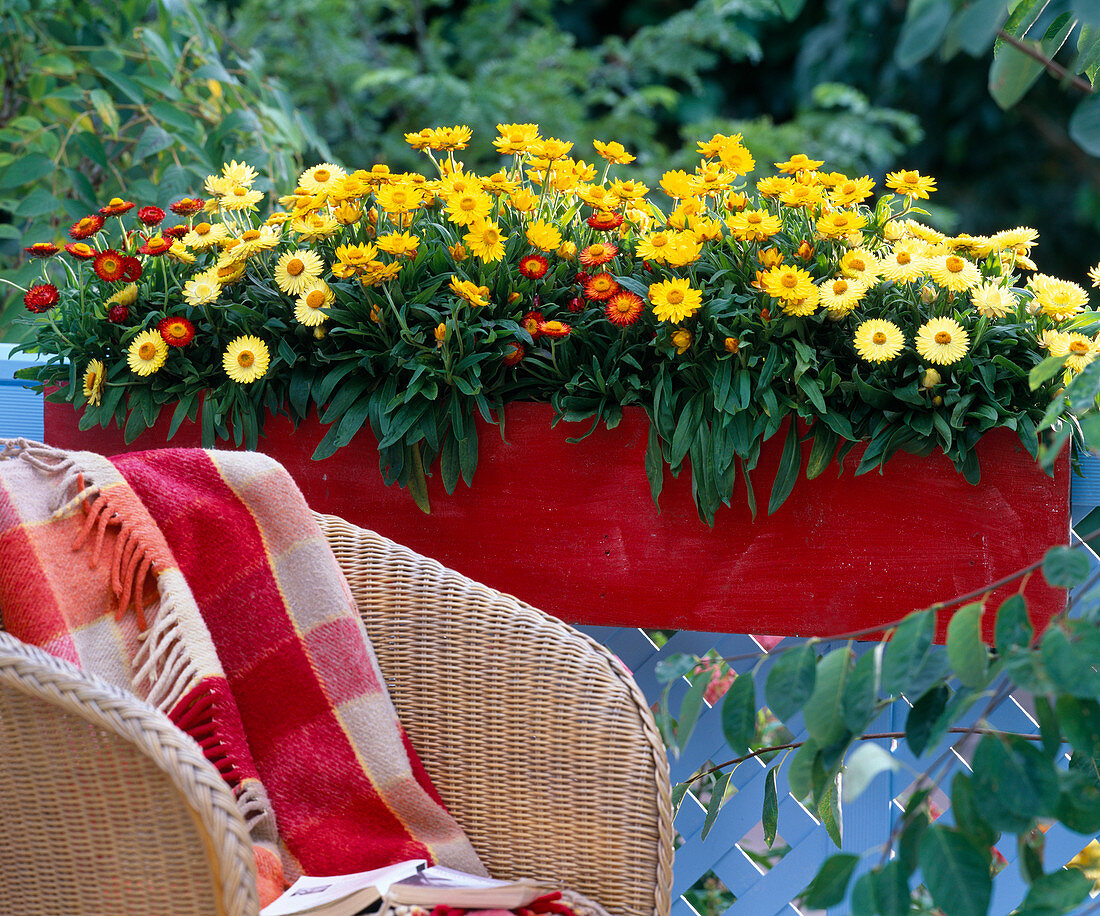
[[571, 528]]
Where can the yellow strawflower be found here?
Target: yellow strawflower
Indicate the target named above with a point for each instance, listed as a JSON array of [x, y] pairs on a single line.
[[942, 341], [147, 352], [674, 300], [878, 341], [246, 359]]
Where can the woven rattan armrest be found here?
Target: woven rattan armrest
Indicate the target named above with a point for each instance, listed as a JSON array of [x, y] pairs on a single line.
[[538, 739], [105, 806]]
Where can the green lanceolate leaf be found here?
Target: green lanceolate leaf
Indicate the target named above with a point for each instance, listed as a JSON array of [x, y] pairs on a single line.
[[769, 816], [1013, 628], [790, 681], [1071, 662], [717, 799], [821, 454], [862, 766], [739, 713], [861, 692], [1080, 721], [789, 463], [1058, 892], [920, 35], [920, 724], [690, 708], [823, 712], [907, 650], [969, 656], [1045, 371], [831, 882], [955, 872], [829, 811], [967, 812], [1016, 781]]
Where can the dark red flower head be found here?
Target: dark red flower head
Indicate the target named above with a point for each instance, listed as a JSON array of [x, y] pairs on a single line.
[[555, 330], [176, 331], [156, 245], [131, 269], [533, 266], [175, 232], [109, 265], [82, 251], [605, 220], [41, 298], [88, 226], [576, 304], [151, 216], [531, 322], [118, 313], [187, 206], [42, 250], [116, 206], [513, 353]]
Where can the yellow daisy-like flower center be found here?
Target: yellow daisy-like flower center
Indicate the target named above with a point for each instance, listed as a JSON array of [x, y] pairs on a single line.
[[755, 218], [942, 337], [147, 351], [857, 264], [1079, 347], [240, 192], [676, 296], [202, 228], [322, 175], [879, 337], [790, 280], [840, 287], [245, 359], [250, 235], [295, 266], [955, 264], [315, 298], [903, 258]]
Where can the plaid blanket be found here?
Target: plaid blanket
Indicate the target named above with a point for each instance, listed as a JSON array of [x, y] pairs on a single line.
[[201, 581]]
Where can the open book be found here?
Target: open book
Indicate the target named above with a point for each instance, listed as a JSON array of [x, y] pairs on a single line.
[[406, 883]]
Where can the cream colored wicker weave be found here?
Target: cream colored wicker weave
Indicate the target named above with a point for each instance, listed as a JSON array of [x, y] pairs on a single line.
[[537, 738]]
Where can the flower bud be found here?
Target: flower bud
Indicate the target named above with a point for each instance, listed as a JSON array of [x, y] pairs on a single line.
[[681, 340], [513, 298], [805, 251], [732, 344], [440, 333], [937, 401], [117, 314], [576, 304], [458, 252], [567, 251], [930, 379], [927, 294], [536, 302], [319, 333], [375, 314]]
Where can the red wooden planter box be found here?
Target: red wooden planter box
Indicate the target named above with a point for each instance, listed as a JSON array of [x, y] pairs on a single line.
[[571, 528]]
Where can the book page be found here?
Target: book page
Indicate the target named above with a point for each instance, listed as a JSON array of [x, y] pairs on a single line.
[[312, 893]]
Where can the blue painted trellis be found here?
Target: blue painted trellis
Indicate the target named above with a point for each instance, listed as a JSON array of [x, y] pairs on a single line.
[[727, 852]]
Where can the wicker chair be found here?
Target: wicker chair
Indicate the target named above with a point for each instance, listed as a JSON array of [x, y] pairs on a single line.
[[537, 738]]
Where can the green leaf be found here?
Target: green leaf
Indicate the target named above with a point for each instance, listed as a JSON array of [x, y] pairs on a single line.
[[823, 711], [654, 465], [1084, 126], [921, 34], [739, 713], [907, 650], [828, 810], [920, 723], [1045, 371], [979, 23], [892, 890], [862, 766], [790, 682], [769, 817], [1080, 721], [38, 202], [821, 454], [1065, 567], [862, 900], [800, 775], [1071, 664], [674, 667], [967, 811], [418, 486], [23, 171], [1016, 782], [717, 799], [831, 882], [790, 8], [690, 708], [1013, 628], [153, 140], [969, 656], [861, 691], [789, 464], [955, 872], [1058, 892], [1013, 72]]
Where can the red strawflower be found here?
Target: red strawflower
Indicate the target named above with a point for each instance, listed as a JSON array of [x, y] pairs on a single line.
[[175, 232], [131, 269], [597, 254], [151, 216], [176, 331], [116, 206], [514, 353], [156, 245], [624, 308], [109, 265], [88, 226], [600, 287], [581, 277], [42, 250], [605, 220], [81, 251], [41, 298], [555, 330], [533, 266], [187, 206], [531, 322], [576, 304], [118, 313]]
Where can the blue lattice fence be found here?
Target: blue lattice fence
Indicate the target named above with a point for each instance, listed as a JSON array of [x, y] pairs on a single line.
[[733, 849]]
